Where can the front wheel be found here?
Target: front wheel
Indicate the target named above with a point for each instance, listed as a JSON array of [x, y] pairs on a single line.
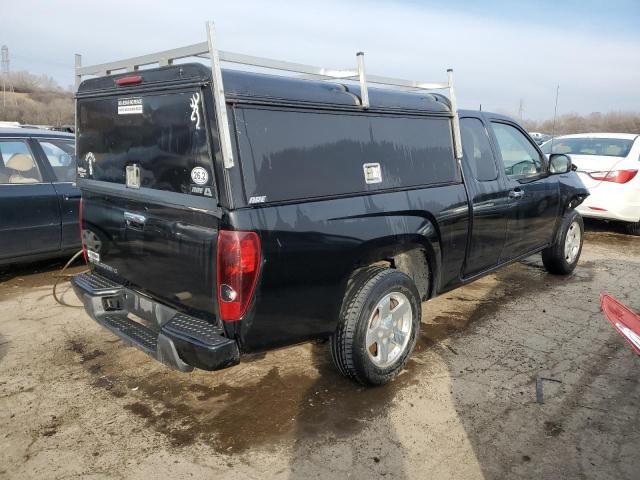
[[379, 324], [562, 257]]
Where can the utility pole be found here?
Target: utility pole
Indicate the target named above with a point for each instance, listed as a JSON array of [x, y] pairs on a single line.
[[4, 73], [520, 109], [555, 115]]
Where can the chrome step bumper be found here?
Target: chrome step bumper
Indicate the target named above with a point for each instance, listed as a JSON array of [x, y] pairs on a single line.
[[173, 338]]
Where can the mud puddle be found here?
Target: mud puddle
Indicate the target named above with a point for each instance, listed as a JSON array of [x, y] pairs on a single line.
[[273, 403]]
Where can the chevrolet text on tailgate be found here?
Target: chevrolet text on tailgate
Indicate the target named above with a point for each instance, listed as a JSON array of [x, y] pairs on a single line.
[[240, 212]]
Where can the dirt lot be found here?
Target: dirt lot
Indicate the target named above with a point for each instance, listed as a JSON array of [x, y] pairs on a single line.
[[77, 402]]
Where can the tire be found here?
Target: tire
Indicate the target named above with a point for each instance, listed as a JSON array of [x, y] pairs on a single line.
[[368, 294], [561, 258], [94, 239], [633, 228]]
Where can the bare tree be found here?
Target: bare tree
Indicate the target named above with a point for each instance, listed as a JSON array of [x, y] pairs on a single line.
[[622, 122], [37, 100]]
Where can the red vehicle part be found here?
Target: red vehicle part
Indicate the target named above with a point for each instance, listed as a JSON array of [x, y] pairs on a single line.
[[625, 321]]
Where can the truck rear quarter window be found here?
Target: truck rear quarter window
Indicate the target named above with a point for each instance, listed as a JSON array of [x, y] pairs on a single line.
[[477, 150], [157, 131], [292, 154]]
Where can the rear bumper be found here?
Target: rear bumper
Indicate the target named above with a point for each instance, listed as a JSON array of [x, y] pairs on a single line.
[[612, 201], [587, 212], [173, 338]]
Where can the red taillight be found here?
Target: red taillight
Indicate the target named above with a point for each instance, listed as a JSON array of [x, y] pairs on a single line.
[[617, 176], [130, 80], [80, 221], [238, 268]]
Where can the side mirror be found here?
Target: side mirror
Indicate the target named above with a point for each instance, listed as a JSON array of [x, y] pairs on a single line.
[[559, 163]]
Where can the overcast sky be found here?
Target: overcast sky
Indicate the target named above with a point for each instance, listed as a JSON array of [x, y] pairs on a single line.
[[503, 52]]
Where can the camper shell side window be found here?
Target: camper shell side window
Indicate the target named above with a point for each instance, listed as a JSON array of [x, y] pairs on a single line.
[[290, 154]]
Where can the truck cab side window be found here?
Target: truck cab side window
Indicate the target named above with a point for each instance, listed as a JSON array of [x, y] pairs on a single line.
[[477, 150], [521, 159]]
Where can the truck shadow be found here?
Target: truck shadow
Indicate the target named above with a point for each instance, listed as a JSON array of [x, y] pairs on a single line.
[[329, 430]]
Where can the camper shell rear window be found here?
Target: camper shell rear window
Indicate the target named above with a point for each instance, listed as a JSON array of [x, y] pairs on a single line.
[[292, 154], [164, 134]]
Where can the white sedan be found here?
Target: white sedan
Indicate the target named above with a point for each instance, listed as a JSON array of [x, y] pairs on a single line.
[[608, 165]]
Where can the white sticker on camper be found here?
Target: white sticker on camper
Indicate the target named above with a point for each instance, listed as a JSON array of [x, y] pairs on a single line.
[[195, 109], [129, 106], [372, 173], [90, 160], [199, 175]]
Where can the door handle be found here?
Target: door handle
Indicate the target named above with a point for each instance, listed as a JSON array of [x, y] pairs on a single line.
[[134, 220], [516, 193]]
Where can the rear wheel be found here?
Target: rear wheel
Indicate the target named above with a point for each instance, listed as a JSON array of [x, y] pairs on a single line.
[[562, 257], [379, 323], [633, 228]]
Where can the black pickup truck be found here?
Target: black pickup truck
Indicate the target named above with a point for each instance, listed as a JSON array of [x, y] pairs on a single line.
[[334, 222]]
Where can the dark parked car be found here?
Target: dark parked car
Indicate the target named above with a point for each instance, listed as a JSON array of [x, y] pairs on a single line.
[[335, 222], [38, 197]]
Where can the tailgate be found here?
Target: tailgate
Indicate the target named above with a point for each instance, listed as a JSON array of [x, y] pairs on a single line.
[[149, 195]]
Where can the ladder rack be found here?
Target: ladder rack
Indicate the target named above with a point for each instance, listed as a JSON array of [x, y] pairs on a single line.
[[210, 51]]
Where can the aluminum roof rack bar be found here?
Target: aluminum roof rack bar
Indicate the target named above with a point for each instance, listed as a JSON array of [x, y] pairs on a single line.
[[209, 50], [362, 76], [455, 119], [219, 99]]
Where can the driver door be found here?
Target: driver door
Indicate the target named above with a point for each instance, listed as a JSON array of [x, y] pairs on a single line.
[[532, 194]]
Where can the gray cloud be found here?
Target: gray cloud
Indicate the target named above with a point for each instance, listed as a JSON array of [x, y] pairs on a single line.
[[497, 62]]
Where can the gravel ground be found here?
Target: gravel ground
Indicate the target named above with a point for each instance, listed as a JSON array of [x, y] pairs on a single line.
[[77, 402]]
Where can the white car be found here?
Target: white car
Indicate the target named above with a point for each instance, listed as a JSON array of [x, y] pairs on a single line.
[[608, 165]]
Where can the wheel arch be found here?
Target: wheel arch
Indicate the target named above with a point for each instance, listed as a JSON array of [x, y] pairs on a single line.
[[416, 256]]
